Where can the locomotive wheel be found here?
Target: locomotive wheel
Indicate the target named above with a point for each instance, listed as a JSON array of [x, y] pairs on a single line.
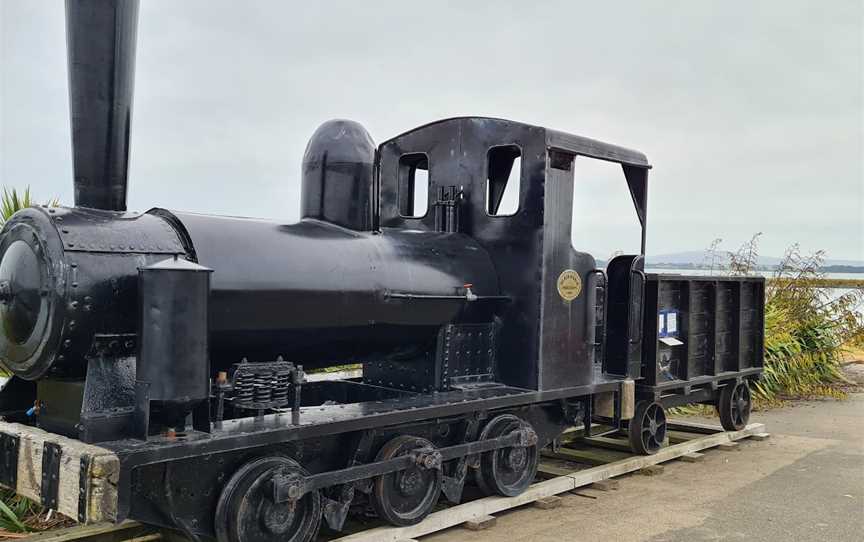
[[406, 497], [246, 512], [734, 406], [647, 428], [506, 471]]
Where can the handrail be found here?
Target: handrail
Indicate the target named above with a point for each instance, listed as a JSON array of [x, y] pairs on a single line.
[[644, 280], [590, 319]]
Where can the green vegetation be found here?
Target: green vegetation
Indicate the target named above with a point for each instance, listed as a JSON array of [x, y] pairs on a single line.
[[807, 327], [337, 368], [19, 516], [12, 509], [11, 202]]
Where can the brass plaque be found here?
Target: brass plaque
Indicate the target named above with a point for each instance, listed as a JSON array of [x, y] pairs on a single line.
[[569, 285]]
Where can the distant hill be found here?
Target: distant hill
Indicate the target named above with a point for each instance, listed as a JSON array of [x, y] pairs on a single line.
[[695, 258]]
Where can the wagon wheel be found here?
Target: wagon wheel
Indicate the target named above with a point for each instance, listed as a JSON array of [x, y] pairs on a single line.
[[506, 471], [406, 497], [647, 428], [734, 406], [246, 511]]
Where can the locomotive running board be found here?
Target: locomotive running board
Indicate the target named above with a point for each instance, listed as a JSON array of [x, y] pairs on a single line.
[[474, 510]]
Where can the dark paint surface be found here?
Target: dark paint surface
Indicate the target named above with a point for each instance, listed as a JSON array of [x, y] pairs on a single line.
[[101, 39], [313, 291], [317, 292], [338, 176]]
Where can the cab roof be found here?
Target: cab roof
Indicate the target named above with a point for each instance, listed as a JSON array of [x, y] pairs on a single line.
[[555, 140]]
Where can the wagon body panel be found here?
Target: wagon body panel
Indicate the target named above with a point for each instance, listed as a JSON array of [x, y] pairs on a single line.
[[700, 330]]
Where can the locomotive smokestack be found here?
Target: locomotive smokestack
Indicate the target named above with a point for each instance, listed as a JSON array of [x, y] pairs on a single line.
[[100, 38]]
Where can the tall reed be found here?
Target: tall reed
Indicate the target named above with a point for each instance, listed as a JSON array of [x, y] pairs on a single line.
[[806, 325]]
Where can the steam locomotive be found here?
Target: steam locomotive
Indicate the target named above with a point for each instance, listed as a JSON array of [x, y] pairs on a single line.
[[166, 364]]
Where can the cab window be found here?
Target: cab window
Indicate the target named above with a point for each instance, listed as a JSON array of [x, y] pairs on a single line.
[[413, 188], [503, 180]]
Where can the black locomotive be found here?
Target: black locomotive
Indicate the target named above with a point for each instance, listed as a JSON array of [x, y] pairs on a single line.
[[160, 359]]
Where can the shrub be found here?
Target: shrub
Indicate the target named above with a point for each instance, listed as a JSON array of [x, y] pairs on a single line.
[[11, 202], [806, 325]]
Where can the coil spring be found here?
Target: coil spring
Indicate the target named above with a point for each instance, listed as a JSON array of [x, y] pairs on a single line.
[[244, 388], [281, 383], [263, 390]]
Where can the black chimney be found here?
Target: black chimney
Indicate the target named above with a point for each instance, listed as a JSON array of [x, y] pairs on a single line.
[[100, 37]]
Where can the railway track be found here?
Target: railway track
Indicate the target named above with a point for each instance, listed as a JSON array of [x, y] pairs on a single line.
[[577, 463]]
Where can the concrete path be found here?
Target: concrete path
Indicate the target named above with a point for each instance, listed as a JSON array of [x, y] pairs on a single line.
[[805, 483]]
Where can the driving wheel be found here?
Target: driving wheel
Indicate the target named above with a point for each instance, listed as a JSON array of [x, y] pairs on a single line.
[[246, 511], [407, 496], [506, 471]]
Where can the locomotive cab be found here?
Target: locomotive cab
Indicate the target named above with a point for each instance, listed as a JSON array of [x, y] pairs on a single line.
[[469, 164]]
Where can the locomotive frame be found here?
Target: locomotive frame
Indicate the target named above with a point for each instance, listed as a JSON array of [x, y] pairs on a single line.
[[160, 378]]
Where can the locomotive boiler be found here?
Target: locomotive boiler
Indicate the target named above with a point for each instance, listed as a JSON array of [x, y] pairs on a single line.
[[327, 288], [160, 359]]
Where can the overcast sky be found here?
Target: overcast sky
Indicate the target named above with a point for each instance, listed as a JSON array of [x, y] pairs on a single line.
[[750, 112]]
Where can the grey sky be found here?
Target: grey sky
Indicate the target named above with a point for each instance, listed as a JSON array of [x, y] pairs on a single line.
[[751, 112]]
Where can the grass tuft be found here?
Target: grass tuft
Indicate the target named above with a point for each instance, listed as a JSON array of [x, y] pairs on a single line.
[[12, 509]]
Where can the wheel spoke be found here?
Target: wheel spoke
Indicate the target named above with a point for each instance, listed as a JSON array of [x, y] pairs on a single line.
[[647, 428], [405, 497], [245, 500], [507, 473]]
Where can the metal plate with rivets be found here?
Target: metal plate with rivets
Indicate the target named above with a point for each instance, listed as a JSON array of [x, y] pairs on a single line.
[[90, 230], [51, 453], [8, 460]]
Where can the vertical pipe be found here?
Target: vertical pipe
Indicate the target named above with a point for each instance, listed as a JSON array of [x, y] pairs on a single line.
[[100, 36]]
